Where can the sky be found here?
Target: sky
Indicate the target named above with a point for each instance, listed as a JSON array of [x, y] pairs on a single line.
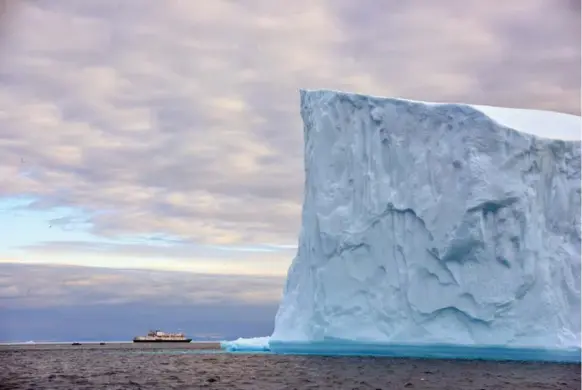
[[151, 152]]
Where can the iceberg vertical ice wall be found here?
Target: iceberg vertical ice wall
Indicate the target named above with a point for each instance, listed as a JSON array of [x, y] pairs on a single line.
[[435, 223]]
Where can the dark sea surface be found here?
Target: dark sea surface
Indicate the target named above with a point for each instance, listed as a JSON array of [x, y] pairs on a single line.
[[201, 366]]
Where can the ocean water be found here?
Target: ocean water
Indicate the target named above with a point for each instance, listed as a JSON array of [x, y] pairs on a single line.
[[204, 366]]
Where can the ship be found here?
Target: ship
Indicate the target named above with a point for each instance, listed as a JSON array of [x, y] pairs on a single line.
[[157, 336]]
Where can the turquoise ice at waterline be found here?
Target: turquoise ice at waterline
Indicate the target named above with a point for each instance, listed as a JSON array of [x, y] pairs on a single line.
[[443, 351]]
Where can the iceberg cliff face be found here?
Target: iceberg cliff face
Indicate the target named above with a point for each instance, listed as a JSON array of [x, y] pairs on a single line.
[[434, 223]]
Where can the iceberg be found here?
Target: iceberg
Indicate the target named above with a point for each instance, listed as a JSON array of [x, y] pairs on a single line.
[[435, 230], [254, 344]]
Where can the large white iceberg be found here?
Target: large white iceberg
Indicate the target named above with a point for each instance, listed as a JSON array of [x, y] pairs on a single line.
[[435, 223]]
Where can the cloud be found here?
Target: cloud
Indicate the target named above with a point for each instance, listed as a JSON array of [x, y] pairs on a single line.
[[182, 117], [38, 286], [173, 256]]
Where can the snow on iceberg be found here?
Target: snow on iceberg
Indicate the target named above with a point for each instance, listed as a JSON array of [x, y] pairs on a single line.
[[242, 344], [442, 230]]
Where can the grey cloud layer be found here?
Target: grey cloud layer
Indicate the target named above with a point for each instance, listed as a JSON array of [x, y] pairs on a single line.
[[34, 286], [182, 117]]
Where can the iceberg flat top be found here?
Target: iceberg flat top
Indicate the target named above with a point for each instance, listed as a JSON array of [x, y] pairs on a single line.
[[541, 123]]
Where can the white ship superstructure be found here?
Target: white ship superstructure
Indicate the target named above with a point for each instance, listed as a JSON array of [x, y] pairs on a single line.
[[156, 336]]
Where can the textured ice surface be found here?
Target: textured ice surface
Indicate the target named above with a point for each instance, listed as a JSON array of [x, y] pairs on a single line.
[[435, 230], [435, 223]]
